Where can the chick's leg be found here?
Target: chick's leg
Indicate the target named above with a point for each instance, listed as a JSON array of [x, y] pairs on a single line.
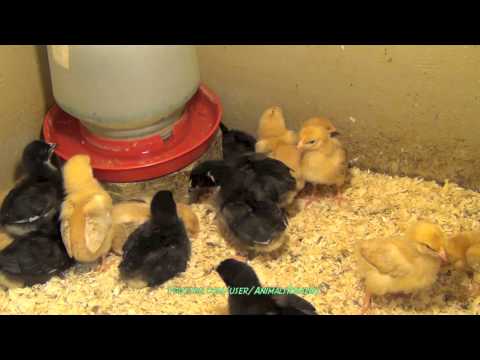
[[339, 196], [313, 195], [367, 302]]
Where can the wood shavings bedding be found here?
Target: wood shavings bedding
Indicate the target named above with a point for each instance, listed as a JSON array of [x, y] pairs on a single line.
[[320, 255]]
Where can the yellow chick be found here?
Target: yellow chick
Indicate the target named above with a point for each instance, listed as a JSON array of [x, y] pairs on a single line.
[[324, 160], [86, 214], [463, 252], [273, 131], [401, 265], [129, 215], [321, 122]]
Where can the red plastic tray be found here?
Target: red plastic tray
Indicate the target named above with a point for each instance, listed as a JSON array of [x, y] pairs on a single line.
[[140, 159]]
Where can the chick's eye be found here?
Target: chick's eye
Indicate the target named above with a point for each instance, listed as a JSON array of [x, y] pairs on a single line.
[[311, 142], [428, 247]]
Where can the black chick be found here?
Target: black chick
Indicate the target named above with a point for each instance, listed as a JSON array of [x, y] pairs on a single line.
[[33, 205], [248, 200], [237, 274], [236, 143], [159, 249], [257, 226], [31, 260]]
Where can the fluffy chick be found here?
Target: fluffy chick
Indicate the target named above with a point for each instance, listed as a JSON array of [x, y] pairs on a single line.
[[33, 205], [463, 252], [255, 227], [324, 160], [235, 143], [401, 265], [33, 259], [322, 122], [159, 249], [252, 192], [129, 215], [272, 131], [86, 215], [294, 160], [237, 274]]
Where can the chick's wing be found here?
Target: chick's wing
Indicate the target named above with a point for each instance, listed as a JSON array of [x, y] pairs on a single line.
[[98, 221], [30, 200], [386, 257]]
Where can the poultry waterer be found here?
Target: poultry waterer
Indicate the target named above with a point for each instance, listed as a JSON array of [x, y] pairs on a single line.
[[139, 112]]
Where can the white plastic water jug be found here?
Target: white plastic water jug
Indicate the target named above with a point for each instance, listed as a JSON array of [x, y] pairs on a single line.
[[124, 91]]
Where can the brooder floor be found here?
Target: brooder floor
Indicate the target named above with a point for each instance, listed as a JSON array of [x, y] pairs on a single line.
[[320, 255]]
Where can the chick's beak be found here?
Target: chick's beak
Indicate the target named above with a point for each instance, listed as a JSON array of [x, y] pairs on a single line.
[[443, 255], [300, 145]]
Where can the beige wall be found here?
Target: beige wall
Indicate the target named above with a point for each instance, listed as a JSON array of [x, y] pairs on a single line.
[[410, 110], [25, 95]]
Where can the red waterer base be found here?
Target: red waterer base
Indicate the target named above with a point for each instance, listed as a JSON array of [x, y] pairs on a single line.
[[139, 159]]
